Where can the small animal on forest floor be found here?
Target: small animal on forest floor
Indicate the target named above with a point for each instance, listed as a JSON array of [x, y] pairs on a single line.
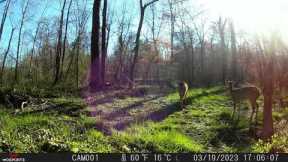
[[182, 90]]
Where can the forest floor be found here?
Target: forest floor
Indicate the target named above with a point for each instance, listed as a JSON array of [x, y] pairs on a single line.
[[148, 121]]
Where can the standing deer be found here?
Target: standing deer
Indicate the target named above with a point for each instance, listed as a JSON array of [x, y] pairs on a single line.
[[250, 93], [182, 88]]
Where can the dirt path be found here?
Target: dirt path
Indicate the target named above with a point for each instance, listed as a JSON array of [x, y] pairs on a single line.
[[115, 111]]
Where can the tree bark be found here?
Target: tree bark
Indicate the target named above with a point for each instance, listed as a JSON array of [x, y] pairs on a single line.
[[235, 74], [4, 16], [24, 11], [65, 38], [137, 42], [33, 49], [104, 43], [95, 52], [59, 46], [268, 100], [172, 23], [5, 55], [221, 28]]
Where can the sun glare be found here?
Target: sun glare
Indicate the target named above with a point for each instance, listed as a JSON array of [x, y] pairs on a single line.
[[253, 16]]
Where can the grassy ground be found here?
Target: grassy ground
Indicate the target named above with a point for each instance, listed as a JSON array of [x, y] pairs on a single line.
[[153, 123]]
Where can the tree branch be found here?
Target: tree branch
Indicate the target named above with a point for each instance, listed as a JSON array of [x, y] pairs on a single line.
[[149, 3]]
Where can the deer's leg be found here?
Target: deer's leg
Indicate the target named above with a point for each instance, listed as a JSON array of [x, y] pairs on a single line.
[[185, 98]]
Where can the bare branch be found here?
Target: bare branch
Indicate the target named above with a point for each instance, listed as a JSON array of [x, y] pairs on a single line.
[[149, 3]]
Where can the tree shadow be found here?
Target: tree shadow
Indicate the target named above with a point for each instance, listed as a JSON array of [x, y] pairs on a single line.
[[120, 123], [124, 111], [190, 99], [109, 96], [230, 133]]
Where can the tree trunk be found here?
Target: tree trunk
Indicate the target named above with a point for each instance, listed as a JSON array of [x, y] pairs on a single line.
[[172, 23], [4, 16], [221, 28], [137, 44], [104, 43], [95, 53], [77, 60], [5, 55], [268, 101], [19, 41], [59, 46], [192, 56], [33, 50], [65, 38], [235, 74]]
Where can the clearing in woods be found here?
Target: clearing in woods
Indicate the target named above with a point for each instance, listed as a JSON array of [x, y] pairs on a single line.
[[113, 122]]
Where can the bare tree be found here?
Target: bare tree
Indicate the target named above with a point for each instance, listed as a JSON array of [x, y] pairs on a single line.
[[5, 55], [201, 33], [65, 38], [39, 23], [123, 28], [268, 99], [137, 42], [221, 29], [59, 45], [95, 50], [234, 64], [104, 43], [23, 16], [172, 28], [82, 18], [4, 16]]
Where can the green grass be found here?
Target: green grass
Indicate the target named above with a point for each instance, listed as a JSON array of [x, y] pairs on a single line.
[[46, 133], [204, 125]]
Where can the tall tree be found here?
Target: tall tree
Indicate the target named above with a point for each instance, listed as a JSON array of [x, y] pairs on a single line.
[[82, 18], [59, 46], [65, 38], [95, 50], [5, 55], [268, 99], [137, 42], [23, 16], [172, 26], [221, 29], [104, 43], [234, 53], [4, 16]]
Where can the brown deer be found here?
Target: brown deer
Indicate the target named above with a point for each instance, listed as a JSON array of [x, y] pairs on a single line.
[[183, 89], [249, 93]]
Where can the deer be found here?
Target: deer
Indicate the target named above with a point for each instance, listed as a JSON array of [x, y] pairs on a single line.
[[246, 93], [182, 89]]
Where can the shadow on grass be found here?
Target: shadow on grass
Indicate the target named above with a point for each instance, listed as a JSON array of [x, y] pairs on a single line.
[[118, 116], [190, 99], [230, 132]]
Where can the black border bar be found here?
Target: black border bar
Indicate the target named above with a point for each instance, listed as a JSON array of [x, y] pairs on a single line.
[[144, 157]]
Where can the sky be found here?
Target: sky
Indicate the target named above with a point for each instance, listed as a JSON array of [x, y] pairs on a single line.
[[252, 16]]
